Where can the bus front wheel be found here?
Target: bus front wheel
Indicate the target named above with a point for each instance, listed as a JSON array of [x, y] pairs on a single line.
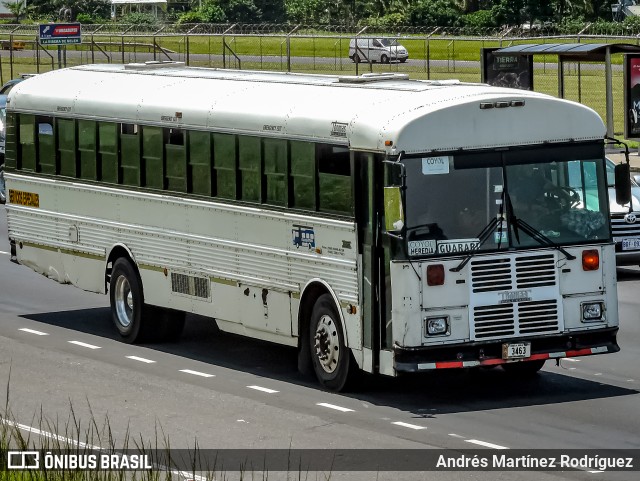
[[331, 359], [127, 304]]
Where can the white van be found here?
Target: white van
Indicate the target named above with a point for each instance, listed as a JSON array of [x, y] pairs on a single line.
[[381, 50]]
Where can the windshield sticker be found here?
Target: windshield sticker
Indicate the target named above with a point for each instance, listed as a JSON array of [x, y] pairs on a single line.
[[435, 165], [422, 248], [497, 188], [457, 245], [500, 237]]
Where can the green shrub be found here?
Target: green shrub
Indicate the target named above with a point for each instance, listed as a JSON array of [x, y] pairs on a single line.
[[138, 18]]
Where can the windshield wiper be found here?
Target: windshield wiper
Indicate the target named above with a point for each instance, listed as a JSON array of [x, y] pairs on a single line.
[[483, 236], [534, 233]]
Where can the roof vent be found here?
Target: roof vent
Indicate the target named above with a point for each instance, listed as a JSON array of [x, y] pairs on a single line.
[[153, 64], [372, 77]]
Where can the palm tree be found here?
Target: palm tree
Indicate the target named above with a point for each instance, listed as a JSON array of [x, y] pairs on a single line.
[[17, 8]]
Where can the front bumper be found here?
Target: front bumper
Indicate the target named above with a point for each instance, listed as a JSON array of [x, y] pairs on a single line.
[[584, 343]]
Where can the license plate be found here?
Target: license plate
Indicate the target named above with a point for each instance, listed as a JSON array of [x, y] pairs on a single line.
[[517, 350], [630, 244]]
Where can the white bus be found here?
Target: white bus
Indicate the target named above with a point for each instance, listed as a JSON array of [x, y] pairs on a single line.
[[374, 222]]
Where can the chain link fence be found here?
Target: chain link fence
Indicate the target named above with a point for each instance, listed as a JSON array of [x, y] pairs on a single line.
[[434, 53]]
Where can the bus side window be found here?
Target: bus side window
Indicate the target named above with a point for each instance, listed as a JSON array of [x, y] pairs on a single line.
[[303, 175], [108, 152], [66, 131], [275, 171], [46, 145], [153, 157], [176, 155], [224, 163], [87, 149], [27, 142], [130, 159], [334, 180], [200, 162], [250, 168]]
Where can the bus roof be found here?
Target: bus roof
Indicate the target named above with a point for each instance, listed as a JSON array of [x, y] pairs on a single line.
[[363, 112]]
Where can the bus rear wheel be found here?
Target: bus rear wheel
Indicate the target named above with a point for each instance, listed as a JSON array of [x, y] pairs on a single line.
[[524, 368], [330, 357], [127, 302]]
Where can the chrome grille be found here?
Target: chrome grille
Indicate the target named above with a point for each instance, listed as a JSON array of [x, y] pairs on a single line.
[[493, 321], [491, 274], [620, 228], [526, 317], [538, 316], [535, 271]]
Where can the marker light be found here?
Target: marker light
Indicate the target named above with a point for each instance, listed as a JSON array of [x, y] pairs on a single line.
[[590, 260], [435, 275]]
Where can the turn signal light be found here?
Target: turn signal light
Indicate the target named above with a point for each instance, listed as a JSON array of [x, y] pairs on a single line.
[[590, 260], [435, 275]]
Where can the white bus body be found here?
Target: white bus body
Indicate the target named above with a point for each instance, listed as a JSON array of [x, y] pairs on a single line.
[[115, 199]]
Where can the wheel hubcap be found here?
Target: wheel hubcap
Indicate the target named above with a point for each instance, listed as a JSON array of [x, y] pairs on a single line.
[[124, 301], [327, 344]]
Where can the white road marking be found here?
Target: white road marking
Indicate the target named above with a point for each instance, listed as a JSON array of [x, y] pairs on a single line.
[[141, 359], [5, 253], [197, 373], [407, 425], [29, 429], [333, 406], [84, 344], [598, 374], [33, 331], [263, 389], [485, 444], [570, 359], [595, 472], [456, 436]]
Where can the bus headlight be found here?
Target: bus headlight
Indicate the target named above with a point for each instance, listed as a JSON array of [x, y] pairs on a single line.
[[437, 326], [592, 311]]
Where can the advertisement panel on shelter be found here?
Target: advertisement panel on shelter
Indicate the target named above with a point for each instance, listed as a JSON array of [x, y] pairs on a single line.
[[632, 96], [514, 71]]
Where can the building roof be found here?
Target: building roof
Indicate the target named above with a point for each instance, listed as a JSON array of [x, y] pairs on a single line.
[[138, 2], [585, 52]]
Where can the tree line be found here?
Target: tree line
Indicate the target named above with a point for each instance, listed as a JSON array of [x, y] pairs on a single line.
[[468, 14]]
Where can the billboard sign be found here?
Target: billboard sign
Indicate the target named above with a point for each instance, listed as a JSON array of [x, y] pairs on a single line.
[[514, 71], [60, 34], [632, 96]]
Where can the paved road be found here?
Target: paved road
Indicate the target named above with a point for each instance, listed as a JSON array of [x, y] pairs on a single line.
[[58, 349]]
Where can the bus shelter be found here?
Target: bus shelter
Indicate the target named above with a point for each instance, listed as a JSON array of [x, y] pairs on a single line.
[[577, 52]]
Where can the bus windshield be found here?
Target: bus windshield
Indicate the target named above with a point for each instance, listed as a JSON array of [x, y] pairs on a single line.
[[450, 201]]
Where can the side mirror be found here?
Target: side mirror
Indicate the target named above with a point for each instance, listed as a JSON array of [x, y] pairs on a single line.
[[393, 211], [623, 183], [636, 177]]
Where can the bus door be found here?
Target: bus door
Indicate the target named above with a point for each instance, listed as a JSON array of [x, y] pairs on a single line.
[[366, 186]]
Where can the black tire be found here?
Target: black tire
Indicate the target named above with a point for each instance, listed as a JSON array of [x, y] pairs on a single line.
[[384, 59], [356, 58], [330, 357], [403, 60], [523, 368], [127, 302]]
